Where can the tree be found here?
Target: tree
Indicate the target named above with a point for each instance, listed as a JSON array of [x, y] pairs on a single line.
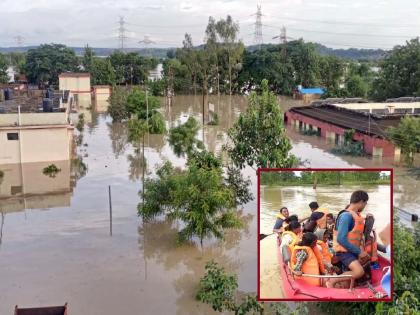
[[356, 86], [220, 290], [258, 137], [306, 63], [228, 31], [183, 138], [197, 196], [144, 107], [88, 57], [118, 105], [400, 72], [45, 63], [131, 68], [102, 71], [407, 136], [4, 78]]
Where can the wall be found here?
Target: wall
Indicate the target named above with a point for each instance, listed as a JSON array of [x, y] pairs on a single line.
[[330, 130], [372, 106], [101, 93], [75, 84], [34, 119], [37, 144], [24, 186]]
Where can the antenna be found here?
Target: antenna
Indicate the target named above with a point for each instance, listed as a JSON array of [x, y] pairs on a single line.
[[258, 38], [121, 33]]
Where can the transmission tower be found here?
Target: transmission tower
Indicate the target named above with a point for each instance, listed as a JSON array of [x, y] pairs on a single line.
[[283, 40], [146, 41], [258, 38], [121, 33], [19, 41]]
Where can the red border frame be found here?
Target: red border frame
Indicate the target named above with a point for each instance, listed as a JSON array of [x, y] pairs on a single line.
[[391, 170]]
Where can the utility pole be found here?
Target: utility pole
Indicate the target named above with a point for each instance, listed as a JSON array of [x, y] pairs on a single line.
[[19, 41], [121, 33], [258, 38]]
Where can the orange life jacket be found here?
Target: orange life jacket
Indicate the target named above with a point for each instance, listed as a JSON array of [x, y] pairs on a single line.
[[371, 247], [354, 236], [323, 248], [310, 266], [296, 238], [322, 222]]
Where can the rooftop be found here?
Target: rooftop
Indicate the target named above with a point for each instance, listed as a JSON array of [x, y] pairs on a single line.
[[74, 75], [350, 119], [315, 90]]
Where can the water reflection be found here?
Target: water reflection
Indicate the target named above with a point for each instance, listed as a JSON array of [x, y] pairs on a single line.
[[158, 242], [24, 186]]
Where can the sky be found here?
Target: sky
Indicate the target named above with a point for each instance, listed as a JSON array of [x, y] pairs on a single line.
[[334, 23]]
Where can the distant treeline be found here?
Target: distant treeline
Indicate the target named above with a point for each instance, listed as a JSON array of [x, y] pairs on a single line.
[[161, 53], [309, 178]]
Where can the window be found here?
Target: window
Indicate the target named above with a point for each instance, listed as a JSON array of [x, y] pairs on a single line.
[[12, 136]]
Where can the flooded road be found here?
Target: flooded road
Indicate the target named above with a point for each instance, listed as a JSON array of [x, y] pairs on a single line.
[[53, 252]]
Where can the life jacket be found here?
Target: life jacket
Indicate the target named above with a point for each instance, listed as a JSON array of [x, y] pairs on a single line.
[[285, 224], [354, 236], [310, 265], [322, 222], [295, 238], [371, 247], [323, 248]]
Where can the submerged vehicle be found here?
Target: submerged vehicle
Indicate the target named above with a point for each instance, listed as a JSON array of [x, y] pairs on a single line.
[[295, 288], [49, 310]]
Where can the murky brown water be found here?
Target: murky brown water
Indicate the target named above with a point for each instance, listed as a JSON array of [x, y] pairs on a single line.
[[58, 249], [297, 198]]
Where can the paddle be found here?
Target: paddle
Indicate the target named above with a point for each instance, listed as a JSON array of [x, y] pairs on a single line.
[[263, 236]]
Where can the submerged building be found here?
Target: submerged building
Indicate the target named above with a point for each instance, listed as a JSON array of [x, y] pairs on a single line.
[[30, 134], [369, 121]]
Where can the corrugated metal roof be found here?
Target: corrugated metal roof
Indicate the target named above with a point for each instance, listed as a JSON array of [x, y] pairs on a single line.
[[350, 119], [311, 90]]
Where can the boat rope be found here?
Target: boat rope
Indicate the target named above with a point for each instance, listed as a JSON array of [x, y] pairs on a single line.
[[298, 290]]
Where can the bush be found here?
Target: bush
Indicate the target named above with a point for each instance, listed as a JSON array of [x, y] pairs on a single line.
[[51, 170]]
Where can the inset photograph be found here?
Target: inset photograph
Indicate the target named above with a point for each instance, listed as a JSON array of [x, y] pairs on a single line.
[[325, 234]]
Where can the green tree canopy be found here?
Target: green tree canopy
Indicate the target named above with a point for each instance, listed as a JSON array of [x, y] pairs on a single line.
[[45, 63], [400, 72], [258, 137], [4, 78], [183, 138], [407, 136]]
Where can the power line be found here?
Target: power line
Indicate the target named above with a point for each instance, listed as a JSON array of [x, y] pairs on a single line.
[[346, 23]]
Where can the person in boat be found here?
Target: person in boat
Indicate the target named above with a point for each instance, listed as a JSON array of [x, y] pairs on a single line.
[[318, 218], [306, 259], [347, 239], [371, 247], [330, 225], [385, 236], [292, 234], [322, 244], [280, 222]]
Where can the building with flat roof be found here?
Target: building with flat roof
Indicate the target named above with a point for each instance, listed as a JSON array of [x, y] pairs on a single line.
[[29, 135], [332, 121], [75, 82]]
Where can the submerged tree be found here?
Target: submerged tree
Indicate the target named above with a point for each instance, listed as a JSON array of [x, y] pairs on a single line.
[[259, 137], [198, 196], [407, 136], [183, 138]]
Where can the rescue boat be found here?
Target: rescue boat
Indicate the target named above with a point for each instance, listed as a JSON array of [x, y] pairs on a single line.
[[295, 288]]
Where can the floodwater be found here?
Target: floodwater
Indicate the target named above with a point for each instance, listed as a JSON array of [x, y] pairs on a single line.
[[297, 198], [55, 241]]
